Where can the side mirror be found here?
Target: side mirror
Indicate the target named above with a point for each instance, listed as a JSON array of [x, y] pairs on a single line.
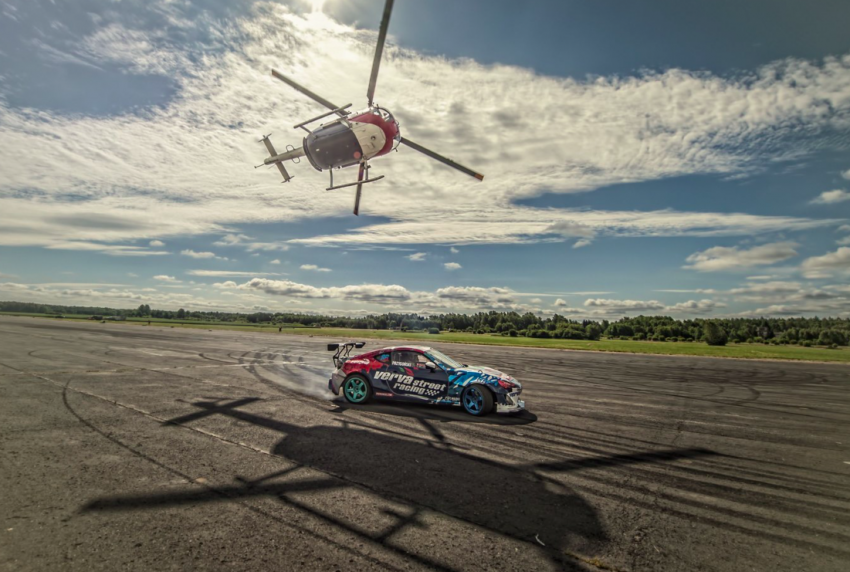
[[431, 365]]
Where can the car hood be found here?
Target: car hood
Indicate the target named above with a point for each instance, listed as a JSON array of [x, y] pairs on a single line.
[[493, 374]]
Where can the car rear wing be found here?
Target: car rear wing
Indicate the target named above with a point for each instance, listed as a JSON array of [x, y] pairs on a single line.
[[343, 350]]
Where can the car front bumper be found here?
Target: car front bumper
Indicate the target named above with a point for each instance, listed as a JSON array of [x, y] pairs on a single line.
[[509, 403]]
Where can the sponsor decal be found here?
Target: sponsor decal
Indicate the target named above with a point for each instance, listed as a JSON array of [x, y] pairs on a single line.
[[403, 363], [383, 394], [390, 376], [402, 383], [358, 361]]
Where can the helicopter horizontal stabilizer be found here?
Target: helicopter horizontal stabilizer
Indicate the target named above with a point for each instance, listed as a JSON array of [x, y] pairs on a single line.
[[283, 172]]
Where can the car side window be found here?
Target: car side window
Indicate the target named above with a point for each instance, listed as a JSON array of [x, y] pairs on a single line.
[[383, 358], [406, 358]]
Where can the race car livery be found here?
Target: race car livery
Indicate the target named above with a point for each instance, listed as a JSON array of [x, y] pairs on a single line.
[[425, 375]]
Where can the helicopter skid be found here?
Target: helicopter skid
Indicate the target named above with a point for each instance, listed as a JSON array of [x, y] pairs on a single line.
[[363, 182]]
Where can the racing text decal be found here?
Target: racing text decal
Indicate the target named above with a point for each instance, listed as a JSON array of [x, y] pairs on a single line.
[[401, 383]]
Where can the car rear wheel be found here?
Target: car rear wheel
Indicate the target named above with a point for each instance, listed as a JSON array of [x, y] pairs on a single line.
[[356, 390], [477, 400]]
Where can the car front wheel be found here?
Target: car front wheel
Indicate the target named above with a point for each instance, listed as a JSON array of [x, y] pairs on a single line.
[[477, 400], [356, 390]]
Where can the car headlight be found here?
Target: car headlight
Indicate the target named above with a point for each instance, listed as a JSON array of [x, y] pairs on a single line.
[[506, 385]]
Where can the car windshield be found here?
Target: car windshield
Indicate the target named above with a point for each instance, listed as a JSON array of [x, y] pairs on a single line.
[[443, 359]]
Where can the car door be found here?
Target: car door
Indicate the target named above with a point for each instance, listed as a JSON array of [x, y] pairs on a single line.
[[410, 377]]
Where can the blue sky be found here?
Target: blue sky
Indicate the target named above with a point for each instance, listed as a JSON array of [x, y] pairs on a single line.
[[644, 157]]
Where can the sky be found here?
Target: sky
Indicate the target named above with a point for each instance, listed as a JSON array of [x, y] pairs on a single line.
[[652, 157]]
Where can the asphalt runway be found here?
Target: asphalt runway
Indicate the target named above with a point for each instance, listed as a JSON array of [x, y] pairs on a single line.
[[126, 447]]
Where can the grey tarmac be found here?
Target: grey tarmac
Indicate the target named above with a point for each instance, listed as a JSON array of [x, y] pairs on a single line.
[[145, 448]]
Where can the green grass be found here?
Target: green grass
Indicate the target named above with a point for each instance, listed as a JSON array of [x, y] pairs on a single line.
[[34, 315], [748, 351], [757, 351]]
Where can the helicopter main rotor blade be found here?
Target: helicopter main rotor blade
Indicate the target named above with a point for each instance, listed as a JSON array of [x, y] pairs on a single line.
[[315, 97], [441, 159], [359, 189], [379, 50]]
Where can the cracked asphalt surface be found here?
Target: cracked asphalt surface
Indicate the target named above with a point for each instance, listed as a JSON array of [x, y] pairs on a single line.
[[142, 448]]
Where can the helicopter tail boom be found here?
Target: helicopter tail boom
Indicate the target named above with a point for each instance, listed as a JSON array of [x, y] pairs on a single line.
[[278, 159]]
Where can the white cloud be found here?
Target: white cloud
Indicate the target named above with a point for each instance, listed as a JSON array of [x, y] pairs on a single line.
[[132, 275], [166, 278], [417, 257], [109, 249], [831, 197], [454, 250], [846, 174], [156, 243], [785, 292], [267, 246], [570, 229], [249, 244], [582, 243], [843, 241], [225, 273], [82, 294], [560, 303], [376, 293], [721, 258], [452, 266], [192, 254], [817, 274], [475, 297], [314, 268], [231, 240], [843, 228], [772, 287], [619, 306], [615, 129], [395, 297], [522, 225], [226, 285], [695, 307], [275, 261], [821, 266]]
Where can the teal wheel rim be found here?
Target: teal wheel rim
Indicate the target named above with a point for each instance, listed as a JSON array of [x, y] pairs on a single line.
[[473, 400], [356, 390]]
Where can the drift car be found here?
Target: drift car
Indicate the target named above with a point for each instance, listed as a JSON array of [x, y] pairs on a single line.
[[424, 375]]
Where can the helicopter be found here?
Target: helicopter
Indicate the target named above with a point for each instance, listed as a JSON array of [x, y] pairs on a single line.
[[352, 138]]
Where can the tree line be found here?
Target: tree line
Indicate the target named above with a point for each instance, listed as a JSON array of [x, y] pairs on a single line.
[[803, 331]]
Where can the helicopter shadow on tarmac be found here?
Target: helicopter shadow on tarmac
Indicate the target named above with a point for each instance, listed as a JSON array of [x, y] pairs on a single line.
[[511, 500], [429, 412]]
